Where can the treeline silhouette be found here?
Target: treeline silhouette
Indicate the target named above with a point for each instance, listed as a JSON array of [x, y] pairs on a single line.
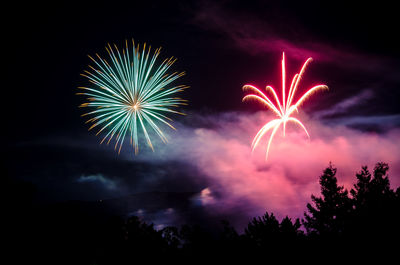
[[363, 222]]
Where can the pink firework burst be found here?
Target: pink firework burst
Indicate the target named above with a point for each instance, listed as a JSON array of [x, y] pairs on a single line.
[[283, 109]]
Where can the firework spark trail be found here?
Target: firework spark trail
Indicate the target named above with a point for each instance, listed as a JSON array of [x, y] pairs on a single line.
[[130, 92], [283, 109]]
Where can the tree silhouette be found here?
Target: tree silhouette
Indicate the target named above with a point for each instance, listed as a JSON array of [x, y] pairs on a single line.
[[262, 231], [172, 237], [289, 230], [360, 192], [142, 239], [376, 206], [266, 232], [364, 220], [328, 217], [380, 185]]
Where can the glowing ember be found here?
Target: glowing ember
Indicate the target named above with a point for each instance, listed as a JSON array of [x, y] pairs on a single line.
[[285, 109]]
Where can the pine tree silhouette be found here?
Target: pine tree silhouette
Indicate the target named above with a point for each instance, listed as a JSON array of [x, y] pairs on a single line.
[[265, 232], [360, 192], [363, 223], [376, 207], [262, 231], [328, 217]]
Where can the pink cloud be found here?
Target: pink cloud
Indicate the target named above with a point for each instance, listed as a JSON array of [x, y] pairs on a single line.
[[283, 184]]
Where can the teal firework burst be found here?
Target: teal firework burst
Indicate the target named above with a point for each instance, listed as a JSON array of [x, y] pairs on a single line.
[[130, 93]]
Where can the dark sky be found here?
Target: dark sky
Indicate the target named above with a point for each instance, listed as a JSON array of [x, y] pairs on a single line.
[[49, 44], [221, 46]]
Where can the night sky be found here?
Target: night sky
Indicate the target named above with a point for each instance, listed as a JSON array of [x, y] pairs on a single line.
[[221, 46]]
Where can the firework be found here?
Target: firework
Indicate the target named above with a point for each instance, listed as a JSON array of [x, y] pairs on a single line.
[[130, 93], [283, 109]]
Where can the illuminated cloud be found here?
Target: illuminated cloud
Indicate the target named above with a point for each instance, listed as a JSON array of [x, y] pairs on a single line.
[[210, 158], [98, 178], [284, 183], [204, 198]]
